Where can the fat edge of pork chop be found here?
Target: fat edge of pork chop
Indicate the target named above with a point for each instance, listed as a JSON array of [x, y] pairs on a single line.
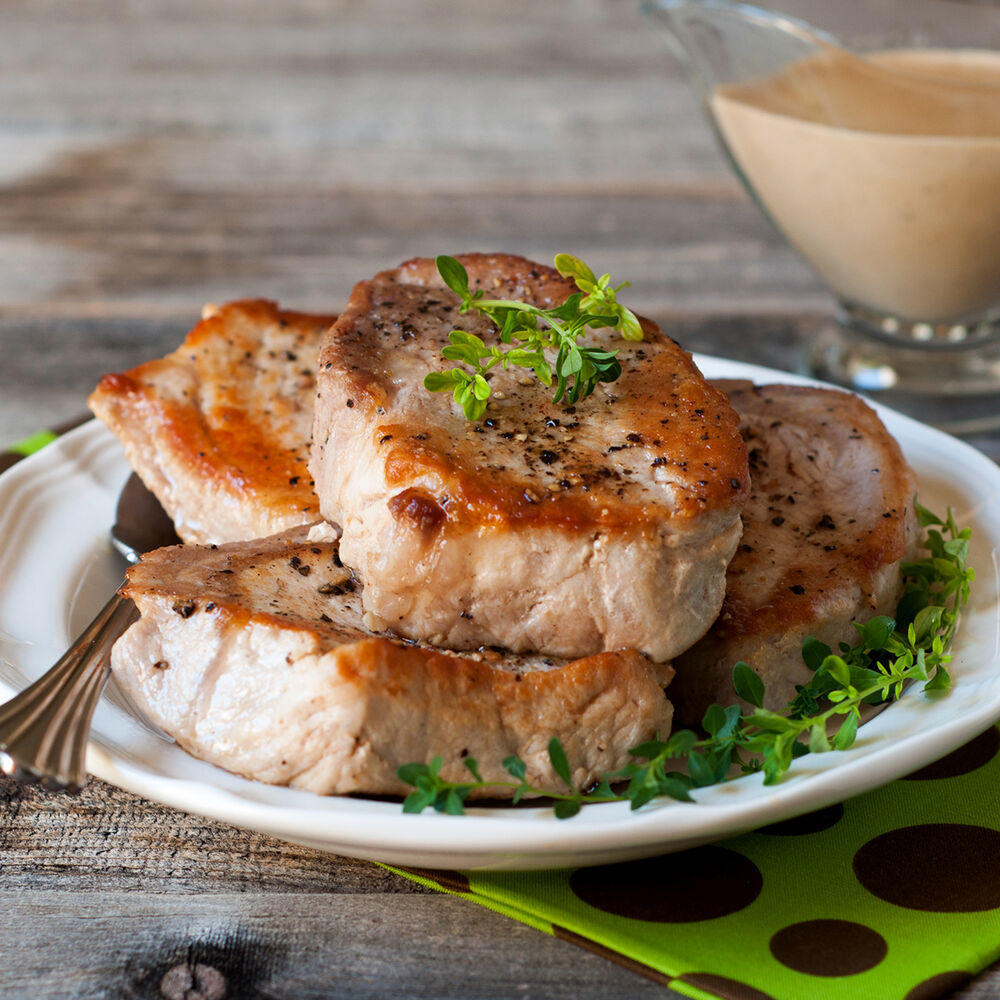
[[565, 530], [219, 429], [254, 657], [829, 521]]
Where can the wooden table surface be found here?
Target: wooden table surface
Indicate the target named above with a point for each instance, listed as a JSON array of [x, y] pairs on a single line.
[[157, 155]]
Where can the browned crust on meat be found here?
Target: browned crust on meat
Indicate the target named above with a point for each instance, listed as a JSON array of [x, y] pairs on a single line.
[[198, 437], [677, 419]]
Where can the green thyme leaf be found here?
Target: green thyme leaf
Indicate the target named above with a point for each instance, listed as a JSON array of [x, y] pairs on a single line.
[[653, 748], [409, 773], [576, 369], [748, 685], [515, 766], [453, 803], [417, 802], [560, 763], [631, 327], [926, 517], [444, 381], [454, 274], [671, 786], [700, 771], [572, 267], [818, 742], [814, 652], [680, 743], [714, 720], [847, 732]]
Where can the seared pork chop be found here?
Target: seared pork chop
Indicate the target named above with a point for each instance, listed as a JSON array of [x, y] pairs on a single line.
[[829, 520], [540, 527], [219, 429], [254, 656]]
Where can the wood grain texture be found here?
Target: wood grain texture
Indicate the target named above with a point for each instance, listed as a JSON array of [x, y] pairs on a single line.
[[168, 153], [131, 889], [157, 154], [290, 946], [108, 839]]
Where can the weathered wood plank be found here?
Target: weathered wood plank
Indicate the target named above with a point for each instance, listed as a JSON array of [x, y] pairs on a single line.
[[290, 947], [459, 91], [100, 227], [108, 839], [172, 154]]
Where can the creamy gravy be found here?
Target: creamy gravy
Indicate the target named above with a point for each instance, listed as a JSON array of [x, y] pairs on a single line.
[[887, 182]]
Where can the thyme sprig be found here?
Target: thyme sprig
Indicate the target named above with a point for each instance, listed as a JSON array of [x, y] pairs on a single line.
[[823, 716], [537, 333]]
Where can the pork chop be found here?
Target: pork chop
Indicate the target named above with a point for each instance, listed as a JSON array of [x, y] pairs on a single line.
[[565, 530], [255, 657], [219, 429], [829, 520]]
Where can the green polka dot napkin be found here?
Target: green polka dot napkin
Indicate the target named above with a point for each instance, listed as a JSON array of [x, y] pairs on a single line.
[[894, 894]]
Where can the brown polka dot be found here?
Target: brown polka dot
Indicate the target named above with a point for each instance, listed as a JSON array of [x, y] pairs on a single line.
[[828, 947], [728, 989], [973, 755], [799, 826], [939, 986], [701, 884], [937, 867], [455, 881]]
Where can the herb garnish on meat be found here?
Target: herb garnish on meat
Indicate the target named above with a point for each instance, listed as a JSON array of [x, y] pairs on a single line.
[[577, 369], [888, 653]]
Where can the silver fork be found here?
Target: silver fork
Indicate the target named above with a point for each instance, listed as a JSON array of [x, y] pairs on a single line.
[[44, 729]]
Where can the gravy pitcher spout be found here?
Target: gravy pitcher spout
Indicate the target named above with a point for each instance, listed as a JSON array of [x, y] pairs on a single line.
[[720, 42]]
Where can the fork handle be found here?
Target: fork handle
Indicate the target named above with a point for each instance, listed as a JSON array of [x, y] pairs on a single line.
[[44, 729]]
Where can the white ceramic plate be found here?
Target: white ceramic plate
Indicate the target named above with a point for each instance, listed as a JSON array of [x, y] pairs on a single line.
[[57, 569]]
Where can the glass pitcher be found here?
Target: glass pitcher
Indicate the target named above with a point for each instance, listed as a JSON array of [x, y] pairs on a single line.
[[882, 169]]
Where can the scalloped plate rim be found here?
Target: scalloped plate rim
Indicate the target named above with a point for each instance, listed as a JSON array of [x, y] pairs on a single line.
[[502, 837]]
